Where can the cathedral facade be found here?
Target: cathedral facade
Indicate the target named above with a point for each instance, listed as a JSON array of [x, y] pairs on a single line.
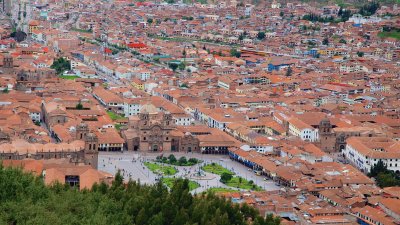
[[155, 131]]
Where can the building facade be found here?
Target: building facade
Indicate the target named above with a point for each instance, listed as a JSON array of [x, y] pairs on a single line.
[[155, 131]]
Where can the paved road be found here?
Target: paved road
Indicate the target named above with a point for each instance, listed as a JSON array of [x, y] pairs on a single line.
[[131, 165]]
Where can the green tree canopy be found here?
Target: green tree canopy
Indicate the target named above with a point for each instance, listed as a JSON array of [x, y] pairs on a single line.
[[261, 35], [235, 53], [225, 177], [173, 66], [383, 176], [26, 200], [61, 65]]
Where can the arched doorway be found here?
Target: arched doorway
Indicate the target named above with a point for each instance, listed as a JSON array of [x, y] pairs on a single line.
[[155, 148]]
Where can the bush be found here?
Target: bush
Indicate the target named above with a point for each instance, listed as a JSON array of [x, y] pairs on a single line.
[[172, 159], [182, 161], [193, 160], [225, 177]]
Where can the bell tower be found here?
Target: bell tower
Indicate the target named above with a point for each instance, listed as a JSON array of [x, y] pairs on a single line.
[[144, 118], [81, 131], [167, 119], [8, 62], [91, 150], [325, 127]]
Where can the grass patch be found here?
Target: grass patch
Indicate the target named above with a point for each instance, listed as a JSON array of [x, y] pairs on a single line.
[[114, 116], [239, 182], [69, 77], [390, 34], [160, 169], [170, 183], [222, 190], [216, 169]]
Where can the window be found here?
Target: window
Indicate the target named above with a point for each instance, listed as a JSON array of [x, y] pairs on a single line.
[[72, 181]]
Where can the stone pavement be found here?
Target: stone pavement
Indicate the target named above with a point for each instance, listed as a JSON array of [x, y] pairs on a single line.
[[131, 166]]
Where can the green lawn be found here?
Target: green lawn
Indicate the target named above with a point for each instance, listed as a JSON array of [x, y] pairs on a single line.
[[391, 34], [160, 169], [114, 116], [169, 181], [245, 184], [222, 190], [216, 169], [69, 77]]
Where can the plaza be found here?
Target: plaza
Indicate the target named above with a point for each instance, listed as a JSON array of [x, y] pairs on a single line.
[[131, 165]]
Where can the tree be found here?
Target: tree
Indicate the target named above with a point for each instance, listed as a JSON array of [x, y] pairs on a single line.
[[235, 53], [61, 65], [172, 159], [379, 167], [225, 177], [241, 37], [150, 21], [173, 66], [27, 200], [184, 53], [79, 106], [193, 161], [182, 161], [182, 66], [343, 41], [325, 41], [383, 176], [340, 12], [289, 71], [281, 13], [387, 179], [261, 35], [360, 54], [369, 8]]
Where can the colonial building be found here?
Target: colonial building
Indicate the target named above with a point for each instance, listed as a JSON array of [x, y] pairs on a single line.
[[83, 150], [8, 64], [33, 80], [155, 131]]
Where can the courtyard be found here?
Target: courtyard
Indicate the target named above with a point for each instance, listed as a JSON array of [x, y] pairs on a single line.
[[143, 167]]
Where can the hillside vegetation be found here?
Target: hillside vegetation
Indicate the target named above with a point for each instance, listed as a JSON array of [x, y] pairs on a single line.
[[26, 200]]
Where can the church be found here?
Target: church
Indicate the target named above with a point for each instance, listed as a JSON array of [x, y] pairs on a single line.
[[83, 150], [155, 131]]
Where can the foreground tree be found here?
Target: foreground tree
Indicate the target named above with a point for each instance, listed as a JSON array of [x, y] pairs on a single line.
[[26, 200]]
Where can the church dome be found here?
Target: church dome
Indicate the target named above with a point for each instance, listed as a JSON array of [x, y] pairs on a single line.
[[149, 108]]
